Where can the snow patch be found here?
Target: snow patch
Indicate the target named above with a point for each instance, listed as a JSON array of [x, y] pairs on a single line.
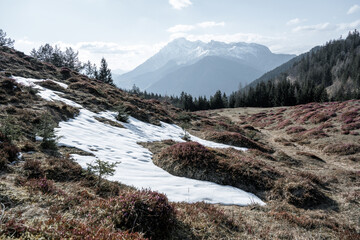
[[113, 144]]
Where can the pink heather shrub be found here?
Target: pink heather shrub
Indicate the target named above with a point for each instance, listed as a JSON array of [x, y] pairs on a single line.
[[306, 117], [295, 129], [322, 117], [343, 149], [349, 116], [60, 227], [191, 153], [235, 139], [142, 211], [284, 124], [351, 126], [325, 126], [314, 133], [43, 185]]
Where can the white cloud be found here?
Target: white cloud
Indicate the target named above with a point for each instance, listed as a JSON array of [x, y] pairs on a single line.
[[353, 9], [295, 21], [118, 56], [181, 28], [180, 4], [211, 24], [314, 28], [349, 26]]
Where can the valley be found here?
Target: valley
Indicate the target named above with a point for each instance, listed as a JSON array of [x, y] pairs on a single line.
[[301, 162]]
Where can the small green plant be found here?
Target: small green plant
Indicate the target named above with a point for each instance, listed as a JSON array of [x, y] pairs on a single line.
[[122, 114], [102, 169], [47, 132], [9, 128]]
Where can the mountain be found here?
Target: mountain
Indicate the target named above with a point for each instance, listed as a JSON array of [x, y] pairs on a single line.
[[333, 67], [212, 71], [280, 69], [183, 63]]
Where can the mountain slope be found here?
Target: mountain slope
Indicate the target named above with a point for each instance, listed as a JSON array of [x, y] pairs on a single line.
[[307, 174], [202, 77], [181, 53], [334, 66]]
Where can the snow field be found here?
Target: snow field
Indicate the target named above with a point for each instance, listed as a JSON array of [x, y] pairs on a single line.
[[113, 144]]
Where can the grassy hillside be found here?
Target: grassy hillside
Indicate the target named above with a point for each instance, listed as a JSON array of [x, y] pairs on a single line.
[[303, 162]]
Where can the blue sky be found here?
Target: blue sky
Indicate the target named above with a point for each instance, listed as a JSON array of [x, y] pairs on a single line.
[[127, 32]]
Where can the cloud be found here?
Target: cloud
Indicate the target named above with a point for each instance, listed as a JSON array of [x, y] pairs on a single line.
[[349, 26], [314, 28], [353, 9], [181, 28], [295, 21], [211, 24], [180, 4], [118, 56]]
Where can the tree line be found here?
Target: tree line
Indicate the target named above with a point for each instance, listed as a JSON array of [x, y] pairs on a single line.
[[69, 59]]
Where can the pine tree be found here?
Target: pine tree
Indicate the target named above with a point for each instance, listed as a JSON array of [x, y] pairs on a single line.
[[104, 74], [4, 41], [216, 101], [102, 168]]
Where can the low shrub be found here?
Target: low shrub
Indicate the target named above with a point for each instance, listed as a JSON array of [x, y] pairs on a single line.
[[301, 193], [236, 139], [350, 115], [65, 72], [223, 166], [42, 184], [62, 111], [9, 129], [142, 211], [342, 149], [8, 152], [33, 169], [60, 227], [281, 156], [295, 129], [63, 169], [284, 124], [315, 133], [310, 155], [322, 117], [351, 126], [191, 153], [52, 85]]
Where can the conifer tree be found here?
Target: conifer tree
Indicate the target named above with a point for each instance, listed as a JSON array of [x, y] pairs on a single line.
[[104, 74], [4, 41]]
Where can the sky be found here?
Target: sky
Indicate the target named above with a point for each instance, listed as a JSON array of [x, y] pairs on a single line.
[[127, 32]]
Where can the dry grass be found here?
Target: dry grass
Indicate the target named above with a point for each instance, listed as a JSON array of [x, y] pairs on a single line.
[[50, 197]]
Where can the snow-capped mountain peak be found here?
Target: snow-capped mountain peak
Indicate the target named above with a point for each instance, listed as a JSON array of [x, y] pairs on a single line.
[[183, 60], [183, 51]]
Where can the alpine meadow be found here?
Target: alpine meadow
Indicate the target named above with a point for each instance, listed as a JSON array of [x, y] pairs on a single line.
[[179, 119]]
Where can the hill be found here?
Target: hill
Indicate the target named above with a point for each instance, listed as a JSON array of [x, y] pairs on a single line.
[[181, 55], [300, 170], [327, 72]]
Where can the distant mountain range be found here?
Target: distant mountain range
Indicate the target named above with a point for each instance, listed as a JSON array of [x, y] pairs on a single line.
[[200, 68]]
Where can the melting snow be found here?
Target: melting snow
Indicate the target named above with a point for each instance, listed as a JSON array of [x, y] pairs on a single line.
[[112, 144]]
